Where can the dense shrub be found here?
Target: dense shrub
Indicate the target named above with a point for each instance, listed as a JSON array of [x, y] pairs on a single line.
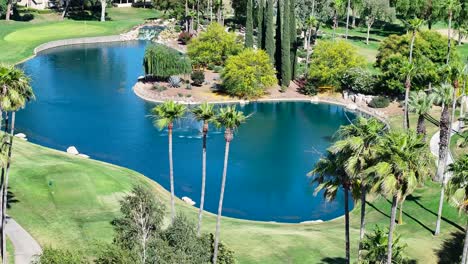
[[379, 102], [359, 80], [57, 256], [217, 69], [214, 46], [162, 62], [198, 77], [3, 8], [430, 54], [307, 87], [248, 74], [185, 37], [331, 60]]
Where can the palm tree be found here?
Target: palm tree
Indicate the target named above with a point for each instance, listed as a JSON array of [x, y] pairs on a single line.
[[310, 23], [403, 164], [205, 113], [357, 143], [348, 7], [164, 116], [457, 192], [443, 95], [15, 91], [229, 118], [451, 5], [420, 103], [330, 175], [375, 246], [413, 25]]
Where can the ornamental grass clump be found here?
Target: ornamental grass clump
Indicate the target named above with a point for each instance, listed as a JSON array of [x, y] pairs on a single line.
[[161, 62]]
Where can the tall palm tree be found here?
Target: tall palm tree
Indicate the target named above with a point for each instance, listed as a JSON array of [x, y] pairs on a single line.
[[457, 192], [330, 175], [205, 113], [229, 118], [164, 116], [443, 95], [15, 91], [420, 103], [451, 6], [310, 23], [348, 7], [357, 143], [403, 162], [414, 25]]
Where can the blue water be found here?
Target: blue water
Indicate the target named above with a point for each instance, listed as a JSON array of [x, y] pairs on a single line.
[[84, 99]]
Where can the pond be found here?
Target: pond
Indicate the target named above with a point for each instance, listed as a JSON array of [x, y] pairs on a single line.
[[85, 99]]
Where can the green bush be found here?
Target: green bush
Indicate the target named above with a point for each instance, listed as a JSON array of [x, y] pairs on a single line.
[[3, 7], [379, 102], [162, 62], [217, 69], [359, 80], [57, 256], [198, 77], [308, 87], [248, 74], [214, 46], [331, 60]]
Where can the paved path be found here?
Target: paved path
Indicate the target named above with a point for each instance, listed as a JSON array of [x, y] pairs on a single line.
[[25, 245], [434, 145]]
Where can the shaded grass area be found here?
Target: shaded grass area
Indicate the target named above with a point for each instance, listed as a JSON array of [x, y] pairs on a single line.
[[455, 146], [10, 251], [68, 202], [18, 39]]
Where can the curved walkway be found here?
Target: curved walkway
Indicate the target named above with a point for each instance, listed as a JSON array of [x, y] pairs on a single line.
[[434, 145], [26, 248]]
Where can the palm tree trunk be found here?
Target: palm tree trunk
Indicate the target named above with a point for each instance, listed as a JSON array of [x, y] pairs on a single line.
[[421, 128], [362, 230], [202, 198], [449, 33], [368, 33], [186, 16], [443, 142], [308, 50], [347, 18], [400, 217], [67, 4], [465, 247], [8, 11], [210, 2], [353, 23], [171, 172], [5, 186], [406, 124], [228, 136], [346, 193], [454, 101], [335, 23], [439, 212], [103, 10], [391, 229]]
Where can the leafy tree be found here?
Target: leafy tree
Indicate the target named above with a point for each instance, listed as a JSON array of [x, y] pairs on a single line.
[[420, 103], [206, 114], [213, 46], [270, 30], [331, 60], [164, 116], [230, 119], [428, 10], [248, 74], [375, 248], [285, 45], [330, 175], [374, 10], [58, 256], [249, 25], [359, 80], [403, 162], [162, 62], [356, 145], [457, 192], [114, 254], [3, 7]]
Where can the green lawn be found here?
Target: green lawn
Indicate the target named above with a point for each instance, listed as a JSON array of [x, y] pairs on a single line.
[[18, 39], [455, 148], [68, 202]]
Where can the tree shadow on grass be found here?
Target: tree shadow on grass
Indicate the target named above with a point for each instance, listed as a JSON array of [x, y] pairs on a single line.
[[451, 249], [335, 260], [416, 199], [11, 198], [377, 209]]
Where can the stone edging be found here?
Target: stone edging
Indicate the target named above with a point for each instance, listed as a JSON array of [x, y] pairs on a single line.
[[77, 41]]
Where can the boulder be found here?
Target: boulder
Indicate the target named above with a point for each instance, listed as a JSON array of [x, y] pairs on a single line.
[[188, 200], [352, 107], [83, 156], [72, 150], [20, 135]]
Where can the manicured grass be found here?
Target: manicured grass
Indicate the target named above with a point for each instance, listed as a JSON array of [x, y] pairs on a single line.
[[18, 39], [68, 202], [10, 251], [455, 148]]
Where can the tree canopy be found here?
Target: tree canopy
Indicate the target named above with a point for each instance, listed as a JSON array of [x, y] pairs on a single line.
[[162, 62]]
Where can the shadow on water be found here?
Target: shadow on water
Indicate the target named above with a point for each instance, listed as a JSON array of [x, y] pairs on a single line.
[[416, 199], [335, 260], [451, 249]]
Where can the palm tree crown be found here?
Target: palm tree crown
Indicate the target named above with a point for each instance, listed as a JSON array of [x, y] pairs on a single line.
[[457, 188], [15, 88], [204, 112], [167, 112], [420, 102], [229, 118], [443, 94]]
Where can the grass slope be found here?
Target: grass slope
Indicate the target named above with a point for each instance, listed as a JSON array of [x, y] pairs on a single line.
[[18, 39], [68, 202]]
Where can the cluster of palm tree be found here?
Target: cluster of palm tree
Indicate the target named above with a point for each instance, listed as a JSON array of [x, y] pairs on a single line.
[[229, 118], [15, 91], [367, 158]]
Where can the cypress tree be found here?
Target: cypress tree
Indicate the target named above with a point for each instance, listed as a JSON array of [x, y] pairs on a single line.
[[269, 30], [278, 38], [286, 46], [294, 39], [249, 25], [260, 25]]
